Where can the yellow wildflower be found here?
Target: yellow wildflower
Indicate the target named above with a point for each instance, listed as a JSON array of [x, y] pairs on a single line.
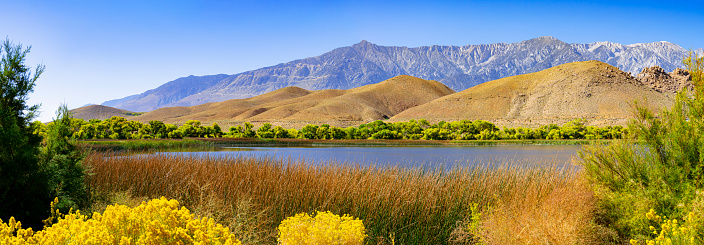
[[159, 221], [324, 228]]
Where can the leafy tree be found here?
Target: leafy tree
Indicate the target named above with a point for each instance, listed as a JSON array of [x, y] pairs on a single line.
[[63, 161], [292, 133], [488, 134], [352, 132], [337, 133], [280, 132], [39, 128], [207, 131], [157, 129], [23, 194], [235, 132], [386, 134], [323, 132], [573, 129], [432, 134], [217, 131], [248, 132], [192, 128], [265, 131], [481, 125], [309, 131]]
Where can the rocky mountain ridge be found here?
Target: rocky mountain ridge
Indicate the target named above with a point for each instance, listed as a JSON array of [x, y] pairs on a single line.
[[366, 63]]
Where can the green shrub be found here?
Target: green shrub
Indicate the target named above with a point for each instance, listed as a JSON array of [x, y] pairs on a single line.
[[663, 171], [63, 163]]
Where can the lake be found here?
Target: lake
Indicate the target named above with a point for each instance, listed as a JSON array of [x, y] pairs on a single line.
[[407, 156]]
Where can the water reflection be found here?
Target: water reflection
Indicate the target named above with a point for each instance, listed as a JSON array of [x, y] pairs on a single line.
[[408, 156]]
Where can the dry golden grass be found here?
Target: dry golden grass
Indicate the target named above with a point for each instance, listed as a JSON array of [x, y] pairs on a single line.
[[562, 215], [412, 206], [588, 89]]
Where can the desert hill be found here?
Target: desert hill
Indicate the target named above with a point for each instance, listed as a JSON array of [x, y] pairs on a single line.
[[296, 107], [100, 112], [593, 90]]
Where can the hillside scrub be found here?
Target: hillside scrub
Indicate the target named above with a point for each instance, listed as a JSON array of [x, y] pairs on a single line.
[[120, 128], [663, 172]]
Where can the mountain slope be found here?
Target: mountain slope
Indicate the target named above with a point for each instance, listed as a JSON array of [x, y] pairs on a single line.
[[296, 107], [592, 90], [167, 93], [365, 63]]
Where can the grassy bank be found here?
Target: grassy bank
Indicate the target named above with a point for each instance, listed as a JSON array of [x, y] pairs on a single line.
[[143, 145], [520, 203]]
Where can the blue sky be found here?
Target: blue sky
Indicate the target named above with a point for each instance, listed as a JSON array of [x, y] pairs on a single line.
[[100, 50]]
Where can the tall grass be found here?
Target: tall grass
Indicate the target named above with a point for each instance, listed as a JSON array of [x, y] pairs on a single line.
[[408, 206], [145, 145]]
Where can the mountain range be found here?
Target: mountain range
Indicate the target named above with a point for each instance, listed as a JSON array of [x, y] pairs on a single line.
[[366, 63], [592, 90]]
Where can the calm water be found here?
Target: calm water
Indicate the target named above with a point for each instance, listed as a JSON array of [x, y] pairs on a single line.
[[408, 156]]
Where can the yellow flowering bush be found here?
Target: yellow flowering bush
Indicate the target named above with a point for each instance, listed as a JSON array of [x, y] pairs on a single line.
[[324, 228], [159, 221], [672, 232]]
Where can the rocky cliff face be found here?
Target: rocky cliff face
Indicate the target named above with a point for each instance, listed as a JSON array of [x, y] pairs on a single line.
[[365, 63], [656, 78]]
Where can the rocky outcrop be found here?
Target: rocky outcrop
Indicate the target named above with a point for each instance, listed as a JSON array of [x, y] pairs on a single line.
[[661, 81]]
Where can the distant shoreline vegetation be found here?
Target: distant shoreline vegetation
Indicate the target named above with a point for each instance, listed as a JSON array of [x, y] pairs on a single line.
[[465, 130]]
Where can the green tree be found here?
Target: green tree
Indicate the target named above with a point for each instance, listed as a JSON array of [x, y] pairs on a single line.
[[23, 193], [337, 133], [64, 163], [235, 132], [192, 128], [217, 131], [248, 131], [323, 132], [309, 131], [280, 132], [157, 129], [386, 134], [574, 129], [265, 131], [292, 133]]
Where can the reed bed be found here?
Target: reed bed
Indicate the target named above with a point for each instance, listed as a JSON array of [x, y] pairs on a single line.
[[397, 205]]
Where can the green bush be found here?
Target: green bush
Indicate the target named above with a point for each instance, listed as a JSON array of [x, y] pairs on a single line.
[[663, 171], [63, 162]]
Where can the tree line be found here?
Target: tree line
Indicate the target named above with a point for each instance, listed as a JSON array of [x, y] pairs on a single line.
[[120, 128]]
